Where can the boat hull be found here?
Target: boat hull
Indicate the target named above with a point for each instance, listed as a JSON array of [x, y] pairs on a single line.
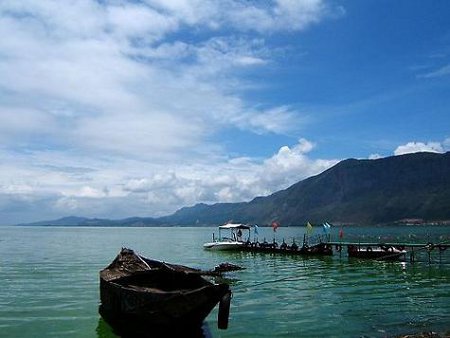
[[223, 246], [130, 326], [182, 308], [376, 253]]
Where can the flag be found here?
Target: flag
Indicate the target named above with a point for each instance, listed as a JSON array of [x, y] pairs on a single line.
[[309, 228], [256, 229], [326, 227], [341, 233], [275, 226]]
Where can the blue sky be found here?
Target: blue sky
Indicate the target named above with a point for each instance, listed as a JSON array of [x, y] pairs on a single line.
[[137, 108]]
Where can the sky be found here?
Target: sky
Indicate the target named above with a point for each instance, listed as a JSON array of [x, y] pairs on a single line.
[[114, 109]]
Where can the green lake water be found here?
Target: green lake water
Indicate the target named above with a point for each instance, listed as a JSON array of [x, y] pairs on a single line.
[[49, 282]]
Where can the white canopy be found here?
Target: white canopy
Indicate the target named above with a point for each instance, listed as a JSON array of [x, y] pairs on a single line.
[[234, 226]]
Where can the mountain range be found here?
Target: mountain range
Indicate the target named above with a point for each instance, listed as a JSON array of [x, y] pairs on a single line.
[[386, 190]]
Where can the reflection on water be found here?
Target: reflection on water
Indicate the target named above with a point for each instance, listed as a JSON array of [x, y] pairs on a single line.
[[104, 330]]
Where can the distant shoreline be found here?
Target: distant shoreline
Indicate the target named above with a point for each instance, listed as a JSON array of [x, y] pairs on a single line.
[[393, 224]]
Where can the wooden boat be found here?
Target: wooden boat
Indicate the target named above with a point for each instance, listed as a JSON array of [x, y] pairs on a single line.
[[140, 295], [232, 242], [379, 253]]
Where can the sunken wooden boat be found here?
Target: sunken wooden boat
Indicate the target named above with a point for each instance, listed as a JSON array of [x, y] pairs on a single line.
[[141, 294]]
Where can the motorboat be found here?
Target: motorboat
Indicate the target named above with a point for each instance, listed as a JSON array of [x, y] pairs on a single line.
[[231, 237]]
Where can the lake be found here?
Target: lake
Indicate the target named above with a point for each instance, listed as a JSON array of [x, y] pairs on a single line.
[[49, 282]]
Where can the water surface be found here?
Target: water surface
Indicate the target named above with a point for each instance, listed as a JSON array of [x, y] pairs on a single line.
[[49, 278]]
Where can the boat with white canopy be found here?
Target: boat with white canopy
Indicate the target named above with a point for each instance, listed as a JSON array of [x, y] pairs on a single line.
[[231, 237]]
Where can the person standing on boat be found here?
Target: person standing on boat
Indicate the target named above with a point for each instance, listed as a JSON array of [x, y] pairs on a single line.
[[239, 235]]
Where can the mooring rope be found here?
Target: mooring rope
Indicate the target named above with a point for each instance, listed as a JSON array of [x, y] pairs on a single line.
[[284, 279], [426, 246]]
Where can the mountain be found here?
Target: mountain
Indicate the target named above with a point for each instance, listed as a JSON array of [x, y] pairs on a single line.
[[83, 221], [378, 191], [65, 221], [386, 190]]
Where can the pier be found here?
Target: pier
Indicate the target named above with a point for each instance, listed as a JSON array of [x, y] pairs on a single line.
[[367, 250], [323, 245], [319, 249], [429, 245]]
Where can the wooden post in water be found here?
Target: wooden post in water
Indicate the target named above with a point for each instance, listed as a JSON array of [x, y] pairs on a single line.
[[429, 247], [411, 256]]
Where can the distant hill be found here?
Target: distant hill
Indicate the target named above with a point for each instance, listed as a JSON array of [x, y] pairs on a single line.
[[387, 190], [378, 191], [83, 221], [65, 221]]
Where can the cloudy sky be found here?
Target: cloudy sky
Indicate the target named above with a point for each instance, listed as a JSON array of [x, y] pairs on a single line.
[[136, 108]]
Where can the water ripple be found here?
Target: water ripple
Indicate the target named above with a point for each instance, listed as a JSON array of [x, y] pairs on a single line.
[[50, 288]]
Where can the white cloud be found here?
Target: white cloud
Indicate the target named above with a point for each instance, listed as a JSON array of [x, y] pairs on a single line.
[[446, 144], [415, 147], [277, 120], [283, 15], [191, 12], [375, 156], [119, 188], [110, 107], [90, 192], [249, 61], [290, 165], [113, 78], [279, 15], [443, 71], [133, 20], [66, 203]]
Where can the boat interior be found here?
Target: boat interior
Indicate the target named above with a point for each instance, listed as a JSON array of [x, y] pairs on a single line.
[[164, 281]]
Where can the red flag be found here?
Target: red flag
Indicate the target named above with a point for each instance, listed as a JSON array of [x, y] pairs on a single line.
[[341, 233], [275, 225]]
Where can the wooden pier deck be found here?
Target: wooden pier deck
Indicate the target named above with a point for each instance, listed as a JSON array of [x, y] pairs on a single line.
[[393, 244], [367, 250]]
